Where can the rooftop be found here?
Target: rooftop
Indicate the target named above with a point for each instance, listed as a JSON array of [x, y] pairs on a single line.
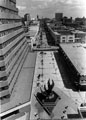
[[57, 33], [77, 54], [65, 32], [79, 32]]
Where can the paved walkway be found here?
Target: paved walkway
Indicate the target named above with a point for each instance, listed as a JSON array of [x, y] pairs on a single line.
[[50, 70]]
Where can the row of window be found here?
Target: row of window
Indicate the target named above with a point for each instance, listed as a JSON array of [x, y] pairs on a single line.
[[8, 21], [4, 88], [2, 57], [8, 10], [14, 1], [68, 41], [15, 64], [3, 45], [2, 68], [12, 4], [65, 37], [13, 67], [6, 32], [11, 49], [9, 62], [5, 97], [18, 64], [5, 77]]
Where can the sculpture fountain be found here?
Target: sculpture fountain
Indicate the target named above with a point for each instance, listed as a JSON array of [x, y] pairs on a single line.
[[47, 97]]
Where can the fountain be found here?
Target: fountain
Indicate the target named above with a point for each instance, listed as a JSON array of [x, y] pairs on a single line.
[[47, 97]]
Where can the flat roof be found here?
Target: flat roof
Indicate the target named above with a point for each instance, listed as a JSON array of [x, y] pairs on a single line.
[[56, 33], [79, 32], [64, 32], [76, 52]]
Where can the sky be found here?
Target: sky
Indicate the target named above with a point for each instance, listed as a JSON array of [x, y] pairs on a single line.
[[48, 8]]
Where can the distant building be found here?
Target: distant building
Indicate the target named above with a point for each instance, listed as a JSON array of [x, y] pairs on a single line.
[[80, 36], [27, 18], [58, 16], [80, 21], [37, 17], [62, 36], [67, 20], [66, 37]]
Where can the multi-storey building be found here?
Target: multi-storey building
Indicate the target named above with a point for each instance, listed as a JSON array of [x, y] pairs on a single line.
[[13, 48], [62, 36], [74, 56], [58, 16], [28, 18], [66, 37], [80, 36]]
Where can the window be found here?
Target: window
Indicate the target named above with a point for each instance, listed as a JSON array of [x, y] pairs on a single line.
[[15, 61], [63, 37], [4, 88], [3, 78], [63, 41], [9, 31], [15, 54], [70, 37], [10, 50], [2, 68], [70, 40]]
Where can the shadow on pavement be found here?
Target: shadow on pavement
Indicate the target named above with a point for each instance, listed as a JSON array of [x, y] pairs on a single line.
[[65, 76]]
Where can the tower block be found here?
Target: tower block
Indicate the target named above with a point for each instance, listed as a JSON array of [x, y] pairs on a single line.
[[13, 48]]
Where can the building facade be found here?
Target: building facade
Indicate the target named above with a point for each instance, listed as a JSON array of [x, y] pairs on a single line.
[[27, 18], [58, 16], [74, 57], [13, 48], [80, 36], [67, 38], [62, 36]]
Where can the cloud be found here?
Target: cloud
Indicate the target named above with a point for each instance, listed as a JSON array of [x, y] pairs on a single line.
[[69, 2], [42, 6], [21, 7], [43, 0], [50, 7]]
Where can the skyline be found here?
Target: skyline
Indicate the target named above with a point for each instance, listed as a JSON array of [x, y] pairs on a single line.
[[48, 8]]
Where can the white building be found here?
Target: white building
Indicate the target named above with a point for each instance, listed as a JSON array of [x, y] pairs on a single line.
[[62, 36], [67, 38], [13, 48], [80, 36]]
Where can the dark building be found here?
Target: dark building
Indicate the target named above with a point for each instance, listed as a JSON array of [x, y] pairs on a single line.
[[67, 20], [58, 16], [80, 21]]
